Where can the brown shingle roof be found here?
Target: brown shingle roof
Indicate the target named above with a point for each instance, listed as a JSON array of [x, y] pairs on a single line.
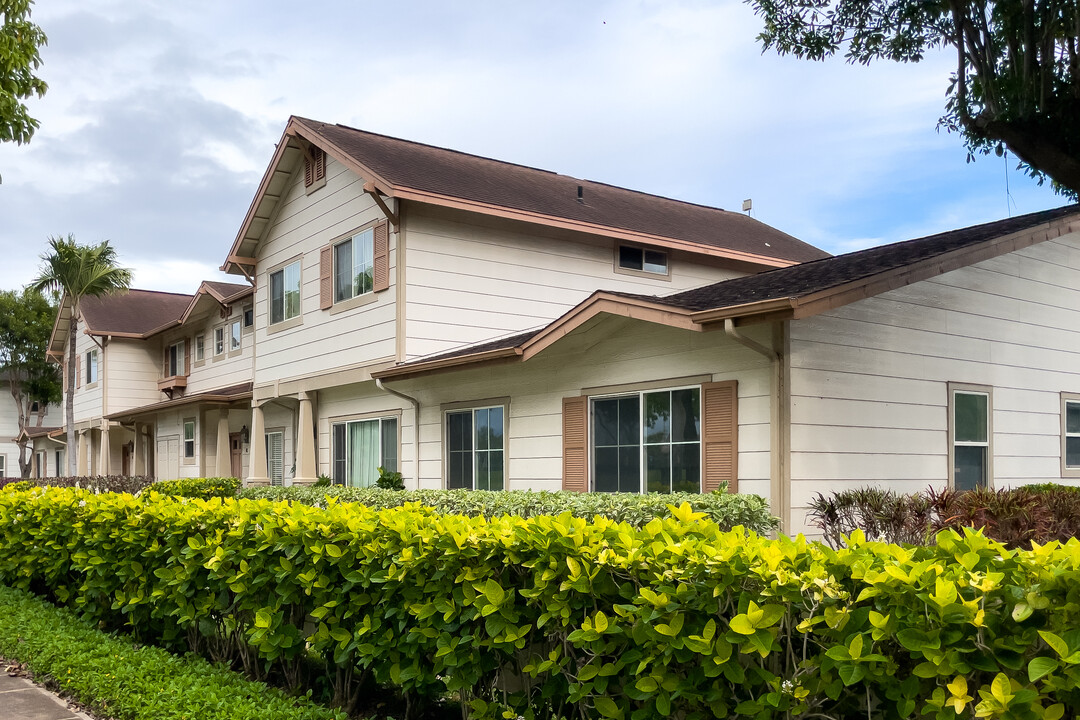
[[228, 290], [449, 173], [800, 280], [135, 312]]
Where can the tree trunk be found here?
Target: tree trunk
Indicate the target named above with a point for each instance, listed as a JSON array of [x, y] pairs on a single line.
[[69, 399], [15, 385]]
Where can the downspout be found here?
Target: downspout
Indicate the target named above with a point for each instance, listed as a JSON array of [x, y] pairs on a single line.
[[416, 424], [778, 420]]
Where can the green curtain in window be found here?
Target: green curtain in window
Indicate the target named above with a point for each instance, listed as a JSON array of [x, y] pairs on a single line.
[[364, 453]]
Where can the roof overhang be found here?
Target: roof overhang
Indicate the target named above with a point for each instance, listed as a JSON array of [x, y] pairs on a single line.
[[298, 136], [211, 398]]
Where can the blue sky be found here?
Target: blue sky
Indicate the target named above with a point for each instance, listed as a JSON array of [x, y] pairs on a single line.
[[161, 118]]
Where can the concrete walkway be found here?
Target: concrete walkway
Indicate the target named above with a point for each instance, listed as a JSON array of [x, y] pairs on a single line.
[[21, 699]]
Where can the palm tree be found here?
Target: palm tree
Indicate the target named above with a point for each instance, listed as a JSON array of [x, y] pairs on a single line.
[[78, 271]]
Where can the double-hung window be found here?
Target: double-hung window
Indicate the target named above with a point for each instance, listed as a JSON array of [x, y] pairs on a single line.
[[1070, 435], [475, 457], [647, 442], [361, 447], [285, 293], [234, 336], [189, 439], [354, 266], [200, 348], [219, 340], [970, 424], [91, 367], [176, 360]]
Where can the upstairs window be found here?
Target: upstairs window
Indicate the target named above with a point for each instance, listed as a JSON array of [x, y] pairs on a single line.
[[354, 266], [639, 259], [200, 348], [249, 316], [91, 367], [285, 293], [175, 360], [234, 336], [219, 340]]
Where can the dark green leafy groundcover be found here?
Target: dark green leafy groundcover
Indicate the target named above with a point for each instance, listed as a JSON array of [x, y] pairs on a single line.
[[119, 679], [559, 617], [725, 509]]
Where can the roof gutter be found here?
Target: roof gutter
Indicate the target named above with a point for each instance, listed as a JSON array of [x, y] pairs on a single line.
[[416, 424], [421, 368], [761, 307]]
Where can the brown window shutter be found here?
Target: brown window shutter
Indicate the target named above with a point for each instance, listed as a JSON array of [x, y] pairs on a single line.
[[78, 371], [309, 169], [575, 449], [326, 278], [381, 252], [320, 164], [720, 435]]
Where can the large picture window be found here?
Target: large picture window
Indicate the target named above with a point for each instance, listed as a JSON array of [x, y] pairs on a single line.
[[647, 442], [354, 266], [970, 416], [285, 293], [475, 457], [361, 447]]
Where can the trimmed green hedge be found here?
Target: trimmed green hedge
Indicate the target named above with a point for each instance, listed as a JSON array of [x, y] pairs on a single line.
[[198, 487], [119, 679], [725, 509], [559, 617]]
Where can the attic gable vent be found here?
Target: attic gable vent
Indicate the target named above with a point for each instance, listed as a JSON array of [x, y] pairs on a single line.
[[314, 166]]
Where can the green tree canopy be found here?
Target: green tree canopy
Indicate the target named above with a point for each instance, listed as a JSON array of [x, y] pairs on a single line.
[[78, 271], [20, 41], [1017, 78], [26, 322]]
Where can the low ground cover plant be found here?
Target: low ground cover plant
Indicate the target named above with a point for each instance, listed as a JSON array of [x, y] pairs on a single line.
[[1016, 517], [552, 617], [119, 679], [725, 509], [98, 483]]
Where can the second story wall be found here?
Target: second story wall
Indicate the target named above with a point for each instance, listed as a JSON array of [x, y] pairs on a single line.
[[133, 371], [227, 350], [89, 394], [472, 278], [353, 333]]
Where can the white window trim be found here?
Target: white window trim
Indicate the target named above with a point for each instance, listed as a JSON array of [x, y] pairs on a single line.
[[641, 392], [200, 350], [968, 388], [180, 365], [220, 329], [93, 353], [1066, 470], [289, 322], [472, 407], [3, 465]]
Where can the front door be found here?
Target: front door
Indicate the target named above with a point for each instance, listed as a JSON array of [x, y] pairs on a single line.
[[234, 455], [125, 460]]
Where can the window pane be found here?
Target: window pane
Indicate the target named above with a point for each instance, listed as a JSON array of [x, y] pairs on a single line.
[[495, 428], [1072, 452], [292, 291], [363, 453], [630, 257], [658, 417], [605, 422], [496, 476], [343, 271], [970, 470], [338, 470], [629, 421], [481, 429], [685, 415], [235, 341], [482, 462], [970, 417], [630, 469], [189, 431], [686, 468], [277, 297], [1072, 417], [606, 469], [658, 468], [459, 456], [655, 262], [389, 444], [363, 249]]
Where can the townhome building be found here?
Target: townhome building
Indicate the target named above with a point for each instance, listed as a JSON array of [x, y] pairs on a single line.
[[163, 381], [40, 422], [368, 252]]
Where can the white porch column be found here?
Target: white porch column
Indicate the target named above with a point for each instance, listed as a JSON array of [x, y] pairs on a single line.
[[224, 467], [257, 456], [138, 452], [306, 468], [105, 463], [81, 440]]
